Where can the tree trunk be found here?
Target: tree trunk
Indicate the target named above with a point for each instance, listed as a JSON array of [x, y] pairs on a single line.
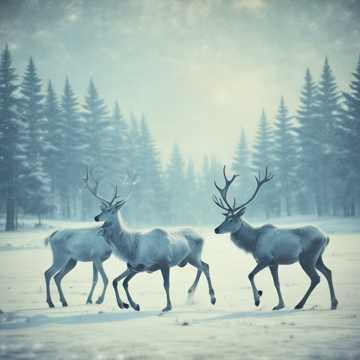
[[10, 213]]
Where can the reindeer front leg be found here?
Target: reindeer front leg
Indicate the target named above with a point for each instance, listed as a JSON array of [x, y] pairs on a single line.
[[165, 271], [257, 293], [121, 304]]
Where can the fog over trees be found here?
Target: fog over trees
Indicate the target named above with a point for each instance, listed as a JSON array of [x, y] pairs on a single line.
[[48, 140]]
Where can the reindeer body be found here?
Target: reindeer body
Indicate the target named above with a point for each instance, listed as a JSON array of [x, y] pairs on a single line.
[[69, 246], [282, 246], [272, 246], [154, 250]]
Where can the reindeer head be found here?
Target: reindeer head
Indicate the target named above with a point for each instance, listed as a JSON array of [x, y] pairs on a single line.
[[109, 208], [233, 213]]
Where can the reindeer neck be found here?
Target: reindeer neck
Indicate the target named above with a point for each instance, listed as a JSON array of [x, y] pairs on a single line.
[[123, 241], [245, 237]]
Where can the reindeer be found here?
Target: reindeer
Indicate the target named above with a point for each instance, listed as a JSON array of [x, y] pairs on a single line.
[[69, 246], [151, 251], [272, 246]]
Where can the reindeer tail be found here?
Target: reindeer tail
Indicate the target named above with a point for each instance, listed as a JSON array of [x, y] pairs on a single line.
[[46, 241]]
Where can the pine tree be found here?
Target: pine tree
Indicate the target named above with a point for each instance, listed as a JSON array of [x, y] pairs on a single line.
[[98, 143], [119, 142], [329, 111], [54, 138], [151, 187], [351, 144], [11, 151], [72, 150], [308, 127], [96, 128], [175, 187], [285, 157], [241, 166], [263, 157], [36, 181], [191, 190]]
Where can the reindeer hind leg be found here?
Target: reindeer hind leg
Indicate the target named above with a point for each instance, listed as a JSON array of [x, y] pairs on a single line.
[[327, 273]]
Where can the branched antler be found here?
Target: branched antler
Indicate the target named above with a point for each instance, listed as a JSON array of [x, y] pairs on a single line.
[[223, 202], [93, 189]]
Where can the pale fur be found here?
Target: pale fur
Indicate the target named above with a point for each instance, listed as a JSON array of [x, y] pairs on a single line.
[[153, 250], [70, 246], [272, 246]]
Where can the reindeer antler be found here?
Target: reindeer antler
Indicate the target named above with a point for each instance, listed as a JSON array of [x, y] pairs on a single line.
[[93, 189], [259, 183], [223, 202]]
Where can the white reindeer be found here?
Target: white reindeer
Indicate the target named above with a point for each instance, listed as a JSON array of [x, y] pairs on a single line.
[[72, 245], [272, 246], [150, 251]]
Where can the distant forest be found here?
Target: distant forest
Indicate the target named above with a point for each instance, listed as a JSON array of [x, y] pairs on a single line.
[[47, 141]]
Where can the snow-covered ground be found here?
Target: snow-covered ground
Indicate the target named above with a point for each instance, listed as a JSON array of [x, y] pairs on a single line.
[[232, 329]]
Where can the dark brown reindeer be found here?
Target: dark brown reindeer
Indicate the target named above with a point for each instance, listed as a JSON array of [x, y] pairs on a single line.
[[272, 246]]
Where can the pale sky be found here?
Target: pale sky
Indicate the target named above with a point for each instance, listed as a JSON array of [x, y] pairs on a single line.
[[199, 70]]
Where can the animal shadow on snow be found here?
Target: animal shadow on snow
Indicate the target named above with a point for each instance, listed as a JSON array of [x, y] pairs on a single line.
[[20, 322]]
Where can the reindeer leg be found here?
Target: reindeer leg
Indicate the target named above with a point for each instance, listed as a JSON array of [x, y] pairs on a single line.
[[205, 269], [275, 275], [327, 273], [49, 273], [100, 269], [165, 271], [59, 276], [121, 304], [309, 268], [94, 282], [126, 287], [193, 287], [251, 276]]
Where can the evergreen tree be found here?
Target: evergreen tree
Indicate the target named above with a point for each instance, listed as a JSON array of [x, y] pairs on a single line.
[[119, 141], [329, 111], [72, 151], [175, 187], [241, 167], [307, 131], [11, 151], [36, 199], [95, 128], [54, 138], [285, 157], [98, 150], [151, 186], [262, 158], [191, 188], [351, 144]]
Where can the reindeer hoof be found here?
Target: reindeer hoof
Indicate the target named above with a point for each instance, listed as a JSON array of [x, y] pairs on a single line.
[[257, 302], [334, 305], [299, 306], [125, 306], [278, 307], [64, 304], [51, 305], [99, 301], [260, 292], [213, 300], [137, 307], [168, 308], [89, 301]]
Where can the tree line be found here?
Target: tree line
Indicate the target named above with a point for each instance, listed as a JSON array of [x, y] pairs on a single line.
[[47, 141], [313, 153]]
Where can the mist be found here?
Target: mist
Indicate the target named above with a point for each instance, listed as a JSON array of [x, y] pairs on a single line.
[[199, 70]]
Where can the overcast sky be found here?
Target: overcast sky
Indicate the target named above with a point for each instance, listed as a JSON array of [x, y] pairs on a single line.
[[199, 70]]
